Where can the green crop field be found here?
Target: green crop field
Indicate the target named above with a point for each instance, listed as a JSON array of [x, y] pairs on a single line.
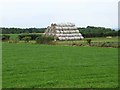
[[36, 66]]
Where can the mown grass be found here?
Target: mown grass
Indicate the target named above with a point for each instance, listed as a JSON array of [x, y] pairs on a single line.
[[32, 65]]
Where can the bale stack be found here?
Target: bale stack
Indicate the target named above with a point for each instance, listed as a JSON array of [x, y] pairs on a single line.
[[63, 31]]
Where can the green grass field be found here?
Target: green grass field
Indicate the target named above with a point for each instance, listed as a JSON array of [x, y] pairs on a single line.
[[33, 65]]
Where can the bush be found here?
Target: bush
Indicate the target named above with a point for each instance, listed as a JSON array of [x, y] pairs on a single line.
[[32, 36], [13, 41], [89, 41], [26, 39], [44, 40], [105, 44], [5, 37]]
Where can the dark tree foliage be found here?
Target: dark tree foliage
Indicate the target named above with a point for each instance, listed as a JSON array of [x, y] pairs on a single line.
[[44, 39], [32, 36], [26, 39], [118, 32], [91, 31], [20, 30], [4, 37]]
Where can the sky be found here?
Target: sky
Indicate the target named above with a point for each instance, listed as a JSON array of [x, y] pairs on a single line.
[[41, 13]]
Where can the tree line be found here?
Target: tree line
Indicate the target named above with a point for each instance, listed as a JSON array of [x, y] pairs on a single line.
[[21, 30], [89, 31]]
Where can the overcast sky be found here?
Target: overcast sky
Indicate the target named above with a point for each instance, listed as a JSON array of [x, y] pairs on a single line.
[[41, 13]]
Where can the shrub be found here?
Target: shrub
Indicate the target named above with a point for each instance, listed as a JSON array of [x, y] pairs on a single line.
[[32, 36], [5, 37], [44, 40], [26, 39], [89, 41], [13, 41], [105, 44]]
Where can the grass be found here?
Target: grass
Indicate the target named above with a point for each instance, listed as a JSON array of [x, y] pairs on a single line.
[[96, 39], [14, 36], [32, 65]]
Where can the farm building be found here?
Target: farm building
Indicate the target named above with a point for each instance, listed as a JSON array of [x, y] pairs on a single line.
[[63, 31]]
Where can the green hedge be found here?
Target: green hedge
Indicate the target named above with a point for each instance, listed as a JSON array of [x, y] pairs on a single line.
[[44, 40], [5, 37], [32, 36]]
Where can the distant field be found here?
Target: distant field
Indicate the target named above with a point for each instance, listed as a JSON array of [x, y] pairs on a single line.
[[14, 36], [32, 65]]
